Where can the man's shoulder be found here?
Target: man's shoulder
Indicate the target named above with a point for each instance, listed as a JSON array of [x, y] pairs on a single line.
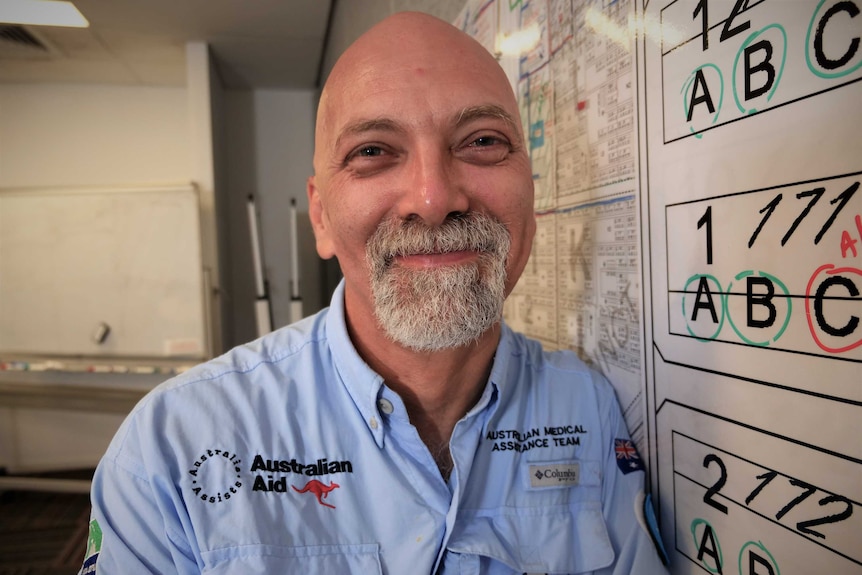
[[251, 379], [276, 347], [533, 352], [556, 366], [270, 359]]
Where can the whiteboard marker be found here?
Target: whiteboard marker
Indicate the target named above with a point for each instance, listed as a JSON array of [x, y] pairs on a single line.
[[143, 369]]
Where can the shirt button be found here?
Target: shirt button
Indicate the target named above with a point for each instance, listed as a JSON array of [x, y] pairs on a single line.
[[385, 406], [373, 422]]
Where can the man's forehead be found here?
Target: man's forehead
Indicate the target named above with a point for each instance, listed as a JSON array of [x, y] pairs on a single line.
[[410, 69]]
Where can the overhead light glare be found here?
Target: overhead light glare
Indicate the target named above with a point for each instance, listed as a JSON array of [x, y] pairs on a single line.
[[520, 42], [601, 24], [42, 13]]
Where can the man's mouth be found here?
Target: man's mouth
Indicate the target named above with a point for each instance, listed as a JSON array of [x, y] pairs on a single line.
[[430, 260]]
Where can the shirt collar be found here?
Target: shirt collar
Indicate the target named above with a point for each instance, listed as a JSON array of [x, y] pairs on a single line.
[[363, 384], [502, 381]]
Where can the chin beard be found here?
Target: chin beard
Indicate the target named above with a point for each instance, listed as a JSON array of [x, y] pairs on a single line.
[[443, 307]]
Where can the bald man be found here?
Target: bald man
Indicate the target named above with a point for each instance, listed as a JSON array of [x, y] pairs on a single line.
[[405, 429]]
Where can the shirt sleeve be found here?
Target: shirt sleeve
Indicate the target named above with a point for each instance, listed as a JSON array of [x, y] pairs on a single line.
[[637, 546], [135, 526]]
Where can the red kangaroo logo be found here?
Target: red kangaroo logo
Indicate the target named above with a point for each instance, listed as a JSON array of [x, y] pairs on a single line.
[[319, 489]]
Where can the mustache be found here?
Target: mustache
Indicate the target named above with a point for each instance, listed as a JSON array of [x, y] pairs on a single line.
[[471, 231]]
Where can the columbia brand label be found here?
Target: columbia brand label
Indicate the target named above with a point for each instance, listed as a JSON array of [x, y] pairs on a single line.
[[555, 474], [628, 459]]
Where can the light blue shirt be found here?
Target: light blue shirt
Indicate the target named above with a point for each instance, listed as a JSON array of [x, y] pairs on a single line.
[[290, 455]]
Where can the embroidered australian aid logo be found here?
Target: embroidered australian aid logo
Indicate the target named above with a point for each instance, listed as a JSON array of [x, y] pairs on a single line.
[[274, 476], [215, 475], [319, 490]]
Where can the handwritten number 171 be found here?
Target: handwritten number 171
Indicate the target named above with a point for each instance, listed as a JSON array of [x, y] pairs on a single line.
[[815, 195], [839, 202]]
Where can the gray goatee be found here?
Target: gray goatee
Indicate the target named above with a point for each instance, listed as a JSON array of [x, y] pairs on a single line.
[[446, 306]]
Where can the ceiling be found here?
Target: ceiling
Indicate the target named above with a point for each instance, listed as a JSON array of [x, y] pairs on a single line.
[[255, 43]]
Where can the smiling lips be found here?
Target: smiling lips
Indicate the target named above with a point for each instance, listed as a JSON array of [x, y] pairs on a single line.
[[437, 259]]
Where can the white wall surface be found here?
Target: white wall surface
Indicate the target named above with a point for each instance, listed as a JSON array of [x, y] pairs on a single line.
[[204, 102], [75, 135]]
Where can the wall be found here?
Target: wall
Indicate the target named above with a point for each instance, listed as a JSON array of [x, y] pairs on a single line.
[[231, 143], [76, 135], [269, 139], [205, 145], [224, 236]]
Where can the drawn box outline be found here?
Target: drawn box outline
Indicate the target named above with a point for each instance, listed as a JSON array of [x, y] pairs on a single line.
[[677, 474], [734, 194]]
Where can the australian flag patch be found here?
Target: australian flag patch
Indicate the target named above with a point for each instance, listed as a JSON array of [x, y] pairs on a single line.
[[628, 459]]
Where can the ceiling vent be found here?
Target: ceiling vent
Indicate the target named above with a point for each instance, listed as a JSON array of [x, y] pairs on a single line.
[[16, 42]]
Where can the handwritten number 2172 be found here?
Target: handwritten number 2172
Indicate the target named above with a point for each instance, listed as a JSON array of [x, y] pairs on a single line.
[[807, 491]]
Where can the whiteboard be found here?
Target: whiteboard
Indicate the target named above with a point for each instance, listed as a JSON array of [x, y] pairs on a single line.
[[754, 160], [699, 240], [102, 273]]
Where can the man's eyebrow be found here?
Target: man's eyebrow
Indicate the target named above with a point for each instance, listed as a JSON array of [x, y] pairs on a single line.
[[370, 125], [486, 111]]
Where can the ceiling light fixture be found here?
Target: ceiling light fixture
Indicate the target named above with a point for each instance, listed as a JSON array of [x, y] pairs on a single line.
[[42, 13]]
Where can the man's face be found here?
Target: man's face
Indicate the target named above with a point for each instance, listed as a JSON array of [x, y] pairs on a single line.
[[422, 184]]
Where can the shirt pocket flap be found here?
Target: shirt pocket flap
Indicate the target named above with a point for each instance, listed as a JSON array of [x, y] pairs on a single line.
[[559, 539], [263, 559]]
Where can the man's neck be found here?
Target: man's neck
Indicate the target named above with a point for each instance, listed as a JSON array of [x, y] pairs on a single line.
[[438, 388], [442, 383]]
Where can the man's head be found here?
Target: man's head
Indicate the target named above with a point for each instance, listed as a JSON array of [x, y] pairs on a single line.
[[422, 184]]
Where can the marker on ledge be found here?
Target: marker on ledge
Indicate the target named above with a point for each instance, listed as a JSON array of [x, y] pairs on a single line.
[[101, 333]]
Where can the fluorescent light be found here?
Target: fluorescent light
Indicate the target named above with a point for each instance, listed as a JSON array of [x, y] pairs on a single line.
[[41, 13]]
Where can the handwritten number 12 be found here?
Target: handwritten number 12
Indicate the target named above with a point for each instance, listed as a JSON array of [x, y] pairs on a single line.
[[727, 32]]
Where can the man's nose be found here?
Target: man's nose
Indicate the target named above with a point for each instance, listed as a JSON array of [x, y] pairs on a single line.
[[432, 190]]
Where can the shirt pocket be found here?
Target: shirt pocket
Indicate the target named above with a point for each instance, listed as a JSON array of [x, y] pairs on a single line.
[[558, 539], [266, 559]]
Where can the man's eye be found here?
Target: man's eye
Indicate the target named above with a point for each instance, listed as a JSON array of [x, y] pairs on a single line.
[[368, 159], [484, 141], [485, 149], [369, 151]]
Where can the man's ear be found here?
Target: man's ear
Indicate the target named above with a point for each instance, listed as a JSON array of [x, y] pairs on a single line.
[[325, 248]]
